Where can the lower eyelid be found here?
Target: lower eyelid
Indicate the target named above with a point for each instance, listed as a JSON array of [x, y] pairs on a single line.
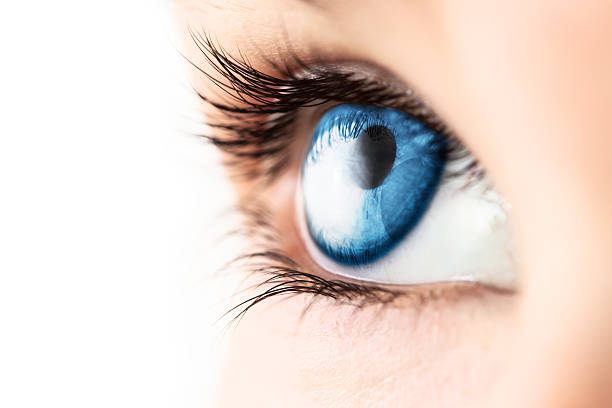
[[412, 297], [292, 263]]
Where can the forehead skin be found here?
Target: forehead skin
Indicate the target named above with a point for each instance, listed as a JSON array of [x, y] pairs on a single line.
[[527, 85]]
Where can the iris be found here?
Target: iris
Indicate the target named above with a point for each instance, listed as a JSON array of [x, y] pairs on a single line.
[[367, 180]]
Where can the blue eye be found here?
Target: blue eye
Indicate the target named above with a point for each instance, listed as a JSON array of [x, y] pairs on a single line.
[[367, 179]]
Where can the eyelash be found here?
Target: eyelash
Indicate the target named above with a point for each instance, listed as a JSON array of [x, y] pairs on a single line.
[[284, 276], [257, 112]]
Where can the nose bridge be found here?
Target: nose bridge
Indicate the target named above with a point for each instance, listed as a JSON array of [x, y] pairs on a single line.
[[550, 67], [564, 349]]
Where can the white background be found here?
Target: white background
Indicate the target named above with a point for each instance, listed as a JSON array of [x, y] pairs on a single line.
[[106, 298]]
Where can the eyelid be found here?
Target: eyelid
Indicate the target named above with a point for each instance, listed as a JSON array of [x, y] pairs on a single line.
[[258, 109], [281, 281], [279, 275]]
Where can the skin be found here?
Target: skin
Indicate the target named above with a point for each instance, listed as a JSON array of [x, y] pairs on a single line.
[[527, 85]]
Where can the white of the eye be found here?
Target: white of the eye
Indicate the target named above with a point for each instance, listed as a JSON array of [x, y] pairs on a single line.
[[331, 196], [463, 236]]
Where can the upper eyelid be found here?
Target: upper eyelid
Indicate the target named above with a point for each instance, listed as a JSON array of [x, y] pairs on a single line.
[[256, 123], [258, 109]]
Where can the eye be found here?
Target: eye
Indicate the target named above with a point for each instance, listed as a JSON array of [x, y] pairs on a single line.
[[368, 178], [379, 204], [385, 194]]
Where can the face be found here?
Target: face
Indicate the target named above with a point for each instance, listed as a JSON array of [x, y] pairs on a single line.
[[426, 193]]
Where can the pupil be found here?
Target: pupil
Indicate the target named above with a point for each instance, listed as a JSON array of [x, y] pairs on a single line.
[[375, 153]]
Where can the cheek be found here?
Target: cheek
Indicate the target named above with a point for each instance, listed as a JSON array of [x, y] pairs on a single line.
[[445, 353]]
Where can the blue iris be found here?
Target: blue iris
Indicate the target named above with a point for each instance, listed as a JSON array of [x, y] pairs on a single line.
[[367, 180]]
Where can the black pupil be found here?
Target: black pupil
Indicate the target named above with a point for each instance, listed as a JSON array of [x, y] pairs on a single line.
[[375, 151]]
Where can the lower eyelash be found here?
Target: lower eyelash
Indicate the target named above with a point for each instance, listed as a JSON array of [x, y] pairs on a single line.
[[285, 277], [280, 276], [287, 281]]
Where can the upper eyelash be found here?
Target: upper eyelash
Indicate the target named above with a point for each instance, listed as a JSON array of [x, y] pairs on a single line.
[[257, 110]]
